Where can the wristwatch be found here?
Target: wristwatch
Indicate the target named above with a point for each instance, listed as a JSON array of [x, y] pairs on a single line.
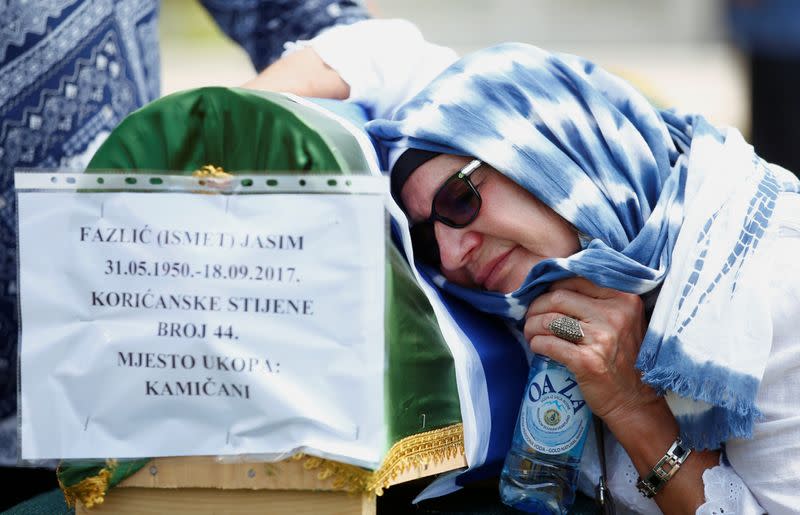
[[664, 470]]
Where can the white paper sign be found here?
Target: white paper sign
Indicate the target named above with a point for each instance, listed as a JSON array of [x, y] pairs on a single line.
[[169, 324]]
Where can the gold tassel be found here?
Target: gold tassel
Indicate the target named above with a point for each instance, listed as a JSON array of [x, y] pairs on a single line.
[[213, 176], [345, 477], [90, 491], [211, 172], [414, 451]]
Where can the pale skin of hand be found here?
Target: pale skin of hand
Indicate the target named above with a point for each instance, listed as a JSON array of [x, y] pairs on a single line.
[[303, 73], [603, 362]]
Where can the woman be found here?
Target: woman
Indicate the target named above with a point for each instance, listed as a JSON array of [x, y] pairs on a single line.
[[540, 187]]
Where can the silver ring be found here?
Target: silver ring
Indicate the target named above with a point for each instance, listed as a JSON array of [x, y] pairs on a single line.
[[567, 328]]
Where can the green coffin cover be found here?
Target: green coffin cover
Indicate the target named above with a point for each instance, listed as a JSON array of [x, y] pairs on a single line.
[[258, 132]]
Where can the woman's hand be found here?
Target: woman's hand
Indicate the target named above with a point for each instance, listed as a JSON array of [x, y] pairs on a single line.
[[603, 361], [303, 73]]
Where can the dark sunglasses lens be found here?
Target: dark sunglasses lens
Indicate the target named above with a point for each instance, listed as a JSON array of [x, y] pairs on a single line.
[[457, 202], [426, 248]]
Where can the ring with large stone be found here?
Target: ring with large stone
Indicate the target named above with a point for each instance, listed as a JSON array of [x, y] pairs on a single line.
[[567, 328]]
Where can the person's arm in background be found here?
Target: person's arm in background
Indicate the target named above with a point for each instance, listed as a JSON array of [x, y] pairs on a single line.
[[263, 27], [377, 63]]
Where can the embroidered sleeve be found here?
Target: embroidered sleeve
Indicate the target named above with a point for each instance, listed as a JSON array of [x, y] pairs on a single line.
[[726, 493], [262, 27]]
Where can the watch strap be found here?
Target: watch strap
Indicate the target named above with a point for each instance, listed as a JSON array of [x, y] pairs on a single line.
[[664, 470]]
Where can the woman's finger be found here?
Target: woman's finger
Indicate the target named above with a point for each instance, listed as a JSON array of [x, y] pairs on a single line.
[[555, 348], [571, 303], [536, 325], [584, 286]]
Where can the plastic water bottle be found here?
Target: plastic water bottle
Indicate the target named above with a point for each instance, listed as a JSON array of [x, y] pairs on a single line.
[[541, 469]]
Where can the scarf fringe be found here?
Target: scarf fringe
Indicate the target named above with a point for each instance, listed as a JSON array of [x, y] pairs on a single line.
[[696, 433], [732, 414]]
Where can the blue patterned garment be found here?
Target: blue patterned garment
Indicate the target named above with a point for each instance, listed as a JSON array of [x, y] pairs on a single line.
[[668, 201], [261, 27], [71, 70]]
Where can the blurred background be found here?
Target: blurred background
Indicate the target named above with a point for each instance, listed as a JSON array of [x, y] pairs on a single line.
[[676, 51]]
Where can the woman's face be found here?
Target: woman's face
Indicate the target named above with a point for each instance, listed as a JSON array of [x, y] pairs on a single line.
[[512, 233]]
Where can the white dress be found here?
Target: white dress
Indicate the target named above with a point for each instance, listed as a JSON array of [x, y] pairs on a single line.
[[386, 62]]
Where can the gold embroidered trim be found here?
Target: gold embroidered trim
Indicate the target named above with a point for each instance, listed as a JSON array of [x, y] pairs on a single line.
[[412, 452], [346, 477], [90, 491], [416, 451]]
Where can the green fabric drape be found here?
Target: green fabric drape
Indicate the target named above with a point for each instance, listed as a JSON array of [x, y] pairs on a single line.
[[244, 131], [240, 131]]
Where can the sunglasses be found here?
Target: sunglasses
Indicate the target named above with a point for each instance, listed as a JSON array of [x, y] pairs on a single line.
[[455, 204]]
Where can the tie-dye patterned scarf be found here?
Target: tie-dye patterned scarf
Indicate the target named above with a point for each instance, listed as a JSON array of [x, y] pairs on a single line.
[[667, 200]]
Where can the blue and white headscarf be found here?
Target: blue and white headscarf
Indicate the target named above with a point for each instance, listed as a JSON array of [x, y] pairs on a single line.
[[667, 200]]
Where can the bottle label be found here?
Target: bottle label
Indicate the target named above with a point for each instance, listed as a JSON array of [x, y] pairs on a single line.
[[554, 416]]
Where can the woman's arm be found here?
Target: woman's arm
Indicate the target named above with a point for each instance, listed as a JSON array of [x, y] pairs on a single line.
[[377, 63], [303, 73], [646, 433], [603, 363]]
